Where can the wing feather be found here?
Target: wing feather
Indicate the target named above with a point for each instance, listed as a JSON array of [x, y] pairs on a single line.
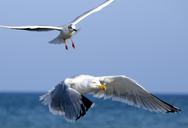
[[65, 101], [124, 89], [86, 14], [33, 28]]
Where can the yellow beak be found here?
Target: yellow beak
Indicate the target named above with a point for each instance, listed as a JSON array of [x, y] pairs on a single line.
[[102, 87]]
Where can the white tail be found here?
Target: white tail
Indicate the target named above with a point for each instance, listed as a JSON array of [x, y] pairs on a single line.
[[57, 40]]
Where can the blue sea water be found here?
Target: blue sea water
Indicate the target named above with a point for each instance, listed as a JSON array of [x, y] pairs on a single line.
[[24, 110]]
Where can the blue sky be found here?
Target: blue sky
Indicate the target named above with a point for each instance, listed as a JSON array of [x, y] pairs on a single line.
[[143, 39]]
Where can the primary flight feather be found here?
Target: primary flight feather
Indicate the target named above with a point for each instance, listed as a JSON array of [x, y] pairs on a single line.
[[66, 31]]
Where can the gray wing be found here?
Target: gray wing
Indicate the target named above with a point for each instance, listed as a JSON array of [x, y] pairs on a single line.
[[33, 28], [124, 89], [67, 102], [96, 9]]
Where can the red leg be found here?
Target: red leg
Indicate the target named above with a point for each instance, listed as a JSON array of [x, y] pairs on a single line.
[[66, 46], [73, 45]]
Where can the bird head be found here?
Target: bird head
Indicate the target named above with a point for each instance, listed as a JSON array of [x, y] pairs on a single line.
[[95, 83], [86, 83], [72, 28]]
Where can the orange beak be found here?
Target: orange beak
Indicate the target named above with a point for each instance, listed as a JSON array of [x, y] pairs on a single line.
[[102, 87]]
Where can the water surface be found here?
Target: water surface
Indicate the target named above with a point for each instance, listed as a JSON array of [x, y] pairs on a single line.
[[24, 110]]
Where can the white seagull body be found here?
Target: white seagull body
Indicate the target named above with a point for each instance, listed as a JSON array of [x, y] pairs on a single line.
[[67, 98], [66, 31]]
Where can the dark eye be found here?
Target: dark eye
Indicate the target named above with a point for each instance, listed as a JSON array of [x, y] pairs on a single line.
[[102, 82], [69, 27], [72, 85]]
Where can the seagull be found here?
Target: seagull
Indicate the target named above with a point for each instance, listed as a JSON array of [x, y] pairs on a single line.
[[67, 98], [66, 31]]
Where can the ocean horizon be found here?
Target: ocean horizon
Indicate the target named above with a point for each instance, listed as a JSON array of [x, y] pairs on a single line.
[[23, 109]]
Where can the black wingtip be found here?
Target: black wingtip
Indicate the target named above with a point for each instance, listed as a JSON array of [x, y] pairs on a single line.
[[85, 106], [172, 109], [87, 103]]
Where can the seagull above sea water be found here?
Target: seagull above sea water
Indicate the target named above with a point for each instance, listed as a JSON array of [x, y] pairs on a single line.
[[66, 31], [67, 98]]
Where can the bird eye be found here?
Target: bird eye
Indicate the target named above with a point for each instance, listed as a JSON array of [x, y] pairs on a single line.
[[69, 27], [72, 85]]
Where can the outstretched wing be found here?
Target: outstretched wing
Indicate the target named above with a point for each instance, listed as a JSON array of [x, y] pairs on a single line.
[[126, 90], [67, 102], [86, 14], [33, 28]]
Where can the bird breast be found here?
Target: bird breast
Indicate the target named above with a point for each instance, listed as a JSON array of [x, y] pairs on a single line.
[[66, 33]]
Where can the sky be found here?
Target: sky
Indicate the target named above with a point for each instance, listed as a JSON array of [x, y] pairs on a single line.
[[146, 40]]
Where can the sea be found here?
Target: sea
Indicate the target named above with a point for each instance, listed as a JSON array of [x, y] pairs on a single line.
[[24, 110]]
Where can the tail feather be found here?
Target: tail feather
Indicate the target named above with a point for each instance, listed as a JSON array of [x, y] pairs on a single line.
[[57, 40]]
